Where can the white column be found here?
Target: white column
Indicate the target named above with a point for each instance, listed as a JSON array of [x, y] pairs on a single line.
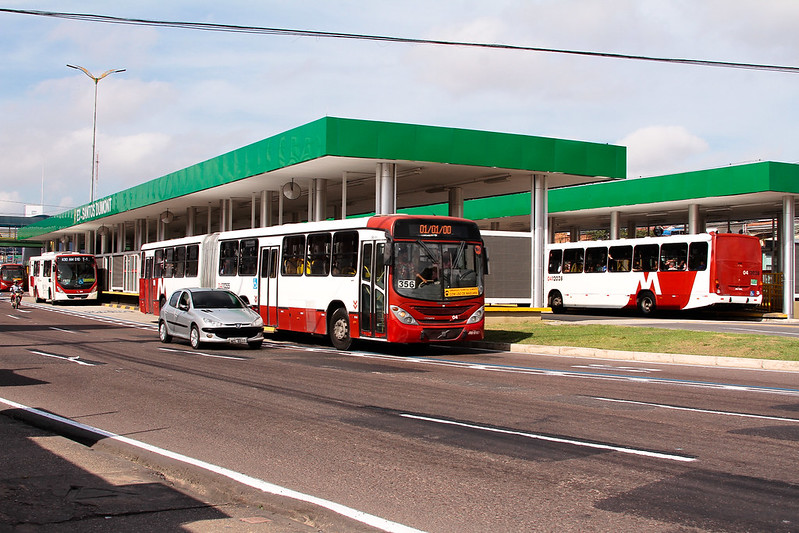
[[266, 212], [615, 218], [253, 200], [209, 223], [694, 220], [343, 195], [89, 238], [190, 211], [538, 226], [788, 250], [229, 223], [311, 202], [320, 200], [455, 207], [280, 196]]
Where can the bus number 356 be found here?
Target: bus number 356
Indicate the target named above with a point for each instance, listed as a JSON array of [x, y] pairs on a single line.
[[406, 283]]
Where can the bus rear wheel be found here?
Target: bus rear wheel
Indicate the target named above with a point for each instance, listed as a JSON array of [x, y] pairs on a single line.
[[339, 329], [556, 301], [646, 303]]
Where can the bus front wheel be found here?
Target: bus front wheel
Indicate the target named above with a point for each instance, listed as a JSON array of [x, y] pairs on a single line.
[[339, 329], [646, 303]]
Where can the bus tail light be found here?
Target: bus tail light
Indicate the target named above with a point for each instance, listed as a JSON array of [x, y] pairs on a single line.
[[477, 316], [718, 288], [403, 316]]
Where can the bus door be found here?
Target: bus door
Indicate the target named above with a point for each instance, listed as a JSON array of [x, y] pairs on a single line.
[[267, 285], [373, 289]]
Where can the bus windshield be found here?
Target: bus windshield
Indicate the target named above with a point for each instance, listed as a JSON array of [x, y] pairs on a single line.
[[76, 272], [438, 271]]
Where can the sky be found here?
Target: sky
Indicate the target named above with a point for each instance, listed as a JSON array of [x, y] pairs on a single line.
[[187, 96]]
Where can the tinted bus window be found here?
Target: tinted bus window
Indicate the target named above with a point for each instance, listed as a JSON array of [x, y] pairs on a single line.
[[228, 258], [645, 258], [158, 266], [248, 264], [345, 253], [620, 258], [169, 262], [180, 261], [572, 260], [555, 257], [596, 259], [293, 255], [697, 256], [317, 262], [192, 260], [673, 256]]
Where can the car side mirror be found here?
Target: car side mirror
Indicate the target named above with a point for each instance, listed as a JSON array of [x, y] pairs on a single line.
[[183, 307]]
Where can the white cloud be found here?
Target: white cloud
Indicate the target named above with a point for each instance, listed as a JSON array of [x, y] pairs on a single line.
[[654, 150]]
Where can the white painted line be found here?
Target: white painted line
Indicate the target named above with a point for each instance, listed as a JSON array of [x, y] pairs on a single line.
[[697, 410], [619, 368], [574, 442], [59, 329], [264, 486], [12, 316], [205, 354], [75, 359]]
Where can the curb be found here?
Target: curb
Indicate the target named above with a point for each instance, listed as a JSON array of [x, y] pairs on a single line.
[[649, 357]]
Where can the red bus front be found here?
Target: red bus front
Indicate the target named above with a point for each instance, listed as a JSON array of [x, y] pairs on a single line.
[[435, 289]]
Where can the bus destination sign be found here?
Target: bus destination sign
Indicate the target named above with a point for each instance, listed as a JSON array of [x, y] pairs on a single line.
[[449, 230]]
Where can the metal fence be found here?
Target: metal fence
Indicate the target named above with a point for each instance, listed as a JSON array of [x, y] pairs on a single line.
[[772, 292]]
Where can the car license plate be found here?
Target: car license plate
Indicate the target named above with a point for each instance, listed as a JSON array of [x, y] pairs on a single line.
[[238, 340]]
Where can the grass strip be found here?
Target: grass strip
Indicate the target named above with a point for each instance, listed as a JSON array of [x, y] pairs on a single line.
[[642, 339]]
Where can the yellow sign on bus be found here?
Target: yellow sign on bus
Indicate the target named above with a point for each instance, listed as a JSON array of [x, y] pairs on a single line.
[[461, 291]]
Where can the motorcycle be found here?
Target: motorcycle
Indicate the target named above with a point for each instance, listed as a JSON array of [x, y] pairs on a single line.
[[16, 296]]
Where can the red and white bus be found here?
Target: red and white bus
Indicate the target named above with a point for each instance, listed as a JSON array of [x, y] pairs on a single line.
[[62, 276], [393, 278], [675, 272]]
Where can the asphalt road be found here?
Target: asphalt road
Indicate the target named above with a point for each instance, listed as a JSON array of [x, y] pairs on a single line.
[[437, 439]]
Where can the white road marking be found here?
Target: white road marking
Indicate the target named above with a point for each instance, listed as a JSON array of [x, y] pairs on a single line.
[[620, 368], [75, 359], [574, 442], [60, 329], [265, 486], [697, 410], [203, 354], [12, 316]]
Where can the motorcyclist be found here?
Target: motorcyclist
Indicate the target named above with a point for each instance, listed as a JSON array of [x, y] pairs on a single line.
[[16, 292]]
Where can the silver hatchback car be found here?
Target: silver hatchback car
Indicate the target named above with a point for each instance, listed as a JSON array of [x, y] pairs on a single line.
[[212, 316]]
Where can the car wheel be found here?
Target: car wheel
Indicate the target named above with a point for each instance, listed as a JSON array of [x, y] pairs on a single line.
[[194, 337], [163, 333], [255, 345], [339, 329]]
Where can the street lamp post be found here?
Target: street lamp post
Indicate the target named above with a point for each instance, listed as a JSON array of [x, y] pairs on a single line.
[[94, 122]]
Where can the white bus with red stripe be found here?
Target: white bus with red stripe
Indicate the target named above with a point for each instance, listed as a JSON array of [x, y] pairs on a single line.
[[63, 276], [674, 272], [394, 278]]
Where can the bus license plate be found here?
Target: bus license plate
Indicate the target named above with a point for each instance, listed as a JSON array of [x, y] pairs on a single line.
[[237, 340]]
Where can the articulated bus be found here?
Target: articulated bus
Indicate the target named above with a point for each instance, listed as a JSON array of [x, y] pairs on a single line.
[[675, 272], [393, 278], [63, 276]]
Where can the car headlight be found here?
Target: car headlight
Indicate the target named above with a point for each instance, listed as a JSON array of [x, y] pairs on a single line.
[[258, 322], [403, 316], [477, 316], [213, 323]]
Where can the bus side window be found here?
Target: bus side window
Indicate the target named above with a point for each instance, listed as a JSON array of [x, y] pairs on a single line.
[[169, 262], [673, 256], [228, 258], [596, 259], [192, 260], [317, 262], [620, 258], [572, 260], [248, 253], [293, 255], [697, 256], [47, 269], [180, 261], [555, 257], [345, 253], [148, 268], [645, 258], [158, 265]]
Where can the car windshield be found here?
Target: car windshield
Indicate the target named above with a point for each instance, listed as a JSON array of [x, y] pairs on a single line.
[[438, 271], [216, 300]]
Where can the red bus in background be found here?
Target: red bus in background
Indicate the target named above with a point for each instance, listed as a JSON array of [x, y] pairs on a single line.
[[9, 272], [393, 278], [674, 272]]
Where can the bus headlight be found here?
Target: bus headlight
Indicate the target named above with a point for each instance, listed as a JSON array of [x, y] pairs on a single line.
[[403, 316], [477, 316]]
